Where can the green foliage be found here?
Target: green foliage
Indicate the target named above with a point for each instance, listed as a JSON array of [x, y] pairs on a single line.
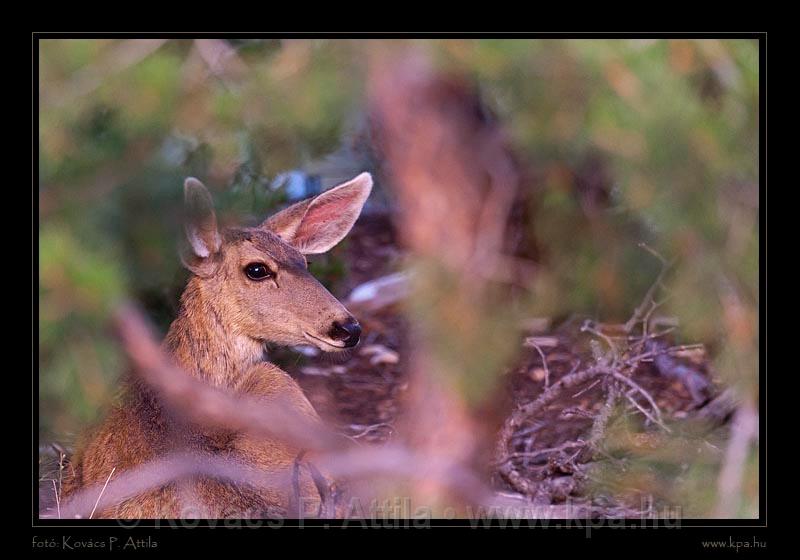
[[78, 285], [674, 470]]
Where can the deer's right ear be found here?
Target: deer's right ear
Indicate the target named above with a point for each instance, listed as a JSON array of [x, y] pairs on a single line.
[[200, 223], [315, 225]]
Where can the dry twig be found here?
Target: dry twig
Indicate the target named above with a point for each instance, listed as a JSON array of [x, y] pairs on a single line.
[[102, 491]]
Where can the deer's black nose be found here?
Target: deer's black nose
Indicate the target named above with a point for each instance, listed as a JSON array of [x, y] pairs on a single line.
[[348, 332]]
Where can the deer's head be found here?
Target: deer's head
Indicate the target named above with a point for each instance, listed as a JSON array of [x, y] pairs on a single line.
[[257, 278]]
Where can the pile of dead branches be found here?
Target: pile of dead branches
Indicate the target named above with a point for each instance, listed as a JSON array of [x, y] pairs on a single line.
[[567, 394]]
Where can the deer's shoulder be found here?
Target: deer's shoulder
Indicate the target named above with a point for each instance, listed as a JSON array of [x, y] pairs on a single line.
[[268, 381]]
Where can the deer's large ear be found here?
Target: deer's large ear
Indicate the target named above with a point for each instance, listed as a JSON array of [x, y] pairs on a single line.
[[200, 223], [317, 224]]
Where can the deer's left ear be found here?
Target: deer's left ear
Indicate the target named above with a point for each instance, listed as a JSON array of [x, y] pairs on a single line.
[[201, 221], [201, 229], [317, 224]]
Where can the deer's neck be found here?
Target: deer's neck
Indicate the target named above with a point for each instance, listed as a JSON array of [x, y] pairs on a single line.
[[203, 345]]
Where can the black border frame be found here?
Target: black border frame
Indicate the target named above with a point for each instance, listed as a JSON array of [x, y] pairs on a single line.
[[721, 528]]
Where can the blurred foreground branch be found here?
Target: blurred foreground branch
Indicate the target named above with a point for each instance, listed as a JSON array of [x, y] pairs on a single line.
[[456, 183]]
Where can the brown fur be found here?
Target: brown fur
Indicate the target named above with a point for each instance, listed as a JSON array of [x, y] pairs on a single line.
[[218, 336]]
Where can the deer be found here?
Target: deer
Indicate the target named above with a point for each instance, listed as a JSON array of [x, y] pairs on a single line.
[[248, 286]]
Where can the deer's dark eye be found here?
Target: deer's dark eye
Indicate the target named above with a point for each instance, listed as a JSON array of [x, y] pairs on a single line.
[[258, 271]]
